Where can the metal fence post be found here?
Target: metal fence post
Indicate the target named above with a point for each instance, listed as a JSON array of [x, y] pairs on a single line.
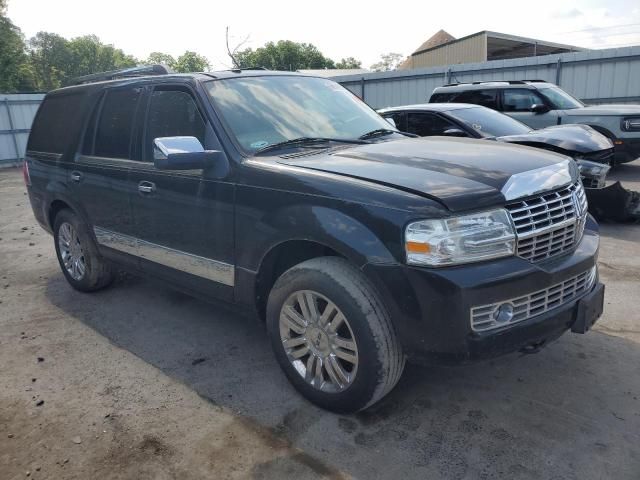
[[558, 69], [13, 130], [362, 88]]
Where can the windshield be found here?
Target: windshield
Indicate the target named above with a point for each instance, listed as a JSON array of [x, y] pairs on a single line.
[[262, 111], [560, 99], [489, 123]]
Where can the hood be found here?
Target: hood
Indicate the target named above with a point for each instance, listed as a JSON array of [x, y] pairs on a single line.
[[623, 110], [460, 173], [572, 138]]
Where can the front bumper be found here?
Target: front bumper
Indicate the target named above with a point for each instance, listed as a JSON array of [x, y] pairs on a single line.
[[431, 307], [626, 149]]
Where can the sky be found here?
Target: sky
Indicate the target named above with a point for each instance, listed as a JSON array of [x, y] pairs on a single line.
[[363, 30]]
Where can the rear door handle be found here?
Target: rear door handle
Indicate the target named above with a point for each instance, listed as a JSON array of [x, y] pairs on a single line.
[[146, 187], [75, 176]]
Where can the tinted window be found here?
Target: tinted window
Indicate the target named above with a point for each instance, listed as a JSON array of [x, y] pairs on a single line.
[[520, 100], [399, 119], [113, 136], [57, 121], [173, 113], [486, 98], [440, 98], [489, 123], [426, 124]]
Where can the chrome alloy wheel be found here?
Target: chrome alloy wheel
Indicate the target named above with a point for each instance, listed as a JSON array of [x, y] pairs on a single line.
[[318, 341], [71, 251]]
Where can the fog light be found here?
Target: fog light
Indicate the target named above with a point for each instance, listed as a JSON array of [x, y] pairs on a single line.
[[504, 313]]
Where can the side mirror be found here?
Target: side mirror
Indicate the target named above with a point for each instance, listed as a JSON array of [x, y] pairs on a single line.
[[391, 121], [539, 108], [454, 132], [182, 153]]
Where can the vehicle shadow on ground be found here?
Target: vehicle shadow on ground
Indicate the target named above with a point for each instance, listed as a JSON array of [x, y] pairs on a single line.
[[570, 411], [625, 172]]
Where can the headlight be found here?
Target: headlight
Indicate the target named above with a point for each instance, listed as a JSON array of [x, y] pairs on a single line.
[[631, 124], [455, 240], [593, 171]]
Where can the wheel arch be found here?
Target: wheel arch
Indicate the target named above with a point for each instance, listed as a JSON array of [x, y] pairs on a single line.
[[282, 257]]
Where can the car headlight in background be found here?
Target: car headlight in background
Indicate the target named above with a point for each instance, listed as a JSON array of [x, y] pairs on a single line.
[[594, 173], [455, 240], [631, 124]]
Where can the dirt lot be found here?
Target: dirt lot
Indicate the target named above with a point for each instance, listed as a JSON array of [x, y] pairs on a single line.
[[139, 382]]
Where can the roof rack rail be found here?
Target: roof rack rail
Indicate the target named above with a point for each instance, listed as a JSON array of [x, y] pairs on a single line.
[[140, 71], [238, 70], [510, 82]]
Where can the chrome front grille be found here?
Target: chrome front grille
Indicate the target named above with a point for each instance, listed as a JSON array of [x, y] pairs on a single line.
[[549, 224], [487, 317]]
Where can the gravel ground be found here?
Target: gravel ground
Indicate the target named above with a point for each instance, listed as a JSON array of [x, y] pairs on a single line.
[[139, 381]]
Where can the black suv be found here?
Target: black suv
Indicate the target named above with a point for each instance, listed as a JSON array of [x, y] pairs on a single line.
[[285, 194]]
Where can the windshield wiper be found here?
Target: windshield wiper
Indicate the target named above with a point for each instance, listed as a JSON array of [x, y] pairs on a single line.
[[379, 132], [308, 141]]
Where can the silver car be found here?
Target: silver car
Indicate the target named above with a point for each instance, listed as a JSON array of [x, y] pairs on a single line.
[[540, 104]]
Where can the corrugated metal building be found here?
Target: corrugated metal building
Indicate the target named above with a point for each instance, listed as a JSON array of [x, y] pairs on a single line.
[[594, 76], [443, 49], [16, 115]]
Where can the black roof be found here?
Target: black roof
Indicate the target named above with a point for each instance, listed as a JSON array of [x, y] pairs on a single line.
[[128, 76]]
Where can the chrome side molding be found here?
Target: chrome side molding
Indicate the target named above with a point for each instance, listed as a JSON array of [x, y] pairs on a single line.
[[540, 180], [186, 262]]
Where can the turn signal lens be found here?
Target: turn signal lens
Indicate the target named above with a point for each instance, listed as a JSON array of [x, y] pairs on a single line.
[[416, 247]]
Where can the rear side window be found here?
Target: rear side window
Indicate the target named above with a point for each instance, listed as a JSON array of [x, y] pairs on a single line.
[[115, 126], [486, 98], [440, 98], [426, 124], [173, 113], [56, 123]]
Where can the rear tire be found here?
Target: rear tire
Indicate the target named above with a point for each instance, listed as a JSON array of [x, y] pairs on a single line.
[[81, 263], [356, 346]]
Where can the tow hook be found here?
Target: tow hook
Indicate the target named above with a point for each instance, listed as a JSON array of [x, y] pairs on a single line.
[[532, 348]]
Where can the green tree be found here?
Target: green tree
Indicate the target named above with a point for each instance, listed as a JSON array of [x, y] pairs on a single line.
[[159, 58], [15, 71], [284, 55], [388, 61], [89, 55], [349, 62], [50, 59], [191, 62]]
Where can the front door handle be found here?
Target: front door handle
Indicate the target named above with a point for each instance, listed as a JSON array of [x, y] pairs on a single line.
[[75, 176], [146, 187]]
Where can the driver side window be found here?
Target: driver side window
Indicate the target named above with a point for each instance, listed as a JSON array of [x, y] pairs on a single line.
[[520, 100], [173, 113]]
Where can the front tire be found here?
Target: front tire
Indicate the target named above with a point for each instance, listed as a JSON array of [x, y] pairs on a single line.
[[332, 336], [81, 263]]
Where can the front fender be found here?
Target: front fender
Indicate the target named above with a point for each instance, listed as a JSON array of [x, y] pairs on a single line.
[[346, 234]]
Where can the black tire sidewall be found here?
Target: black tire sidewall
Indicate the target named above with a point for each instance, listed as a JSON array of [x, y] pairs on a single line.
[[368, 375]]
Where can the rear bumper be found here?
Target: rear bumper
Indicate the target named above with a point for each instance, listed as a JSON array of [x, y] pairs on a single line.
[[431, 307]]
